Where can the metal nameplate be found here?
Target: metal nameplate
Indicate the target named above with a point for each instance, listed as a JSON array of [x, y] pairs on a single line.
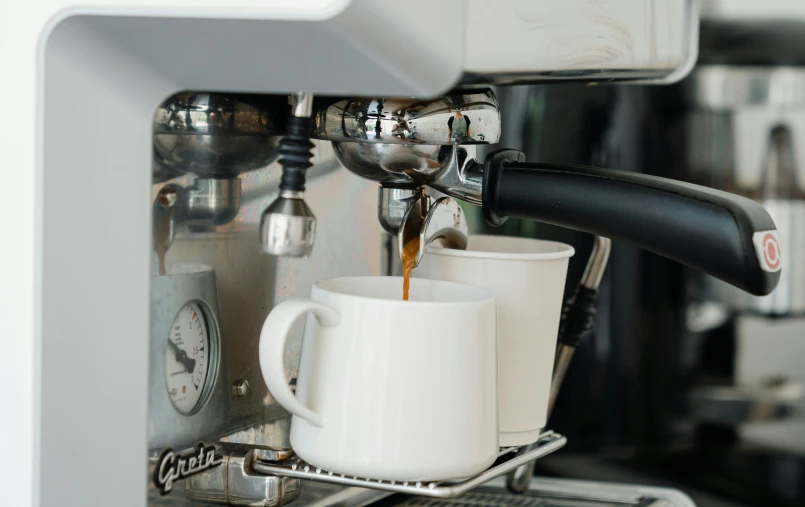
[[172, 467]]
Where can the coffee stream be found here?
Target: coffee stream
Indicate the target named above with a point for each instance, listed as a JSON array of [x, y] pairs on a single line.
[[409, 255]]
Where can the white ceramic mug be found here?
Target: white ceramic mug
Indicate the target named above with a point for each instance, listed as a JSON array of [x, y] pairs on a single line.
[[527, 277], [389, 389]]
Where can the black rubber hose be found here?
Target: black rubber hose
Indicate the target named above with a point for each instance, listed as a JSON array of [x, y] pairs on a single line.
[[578, 317], [295, 152]]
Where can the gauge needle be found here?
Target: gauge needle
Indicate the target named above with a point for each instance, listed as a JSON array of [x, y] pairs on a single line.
[[181, 356]]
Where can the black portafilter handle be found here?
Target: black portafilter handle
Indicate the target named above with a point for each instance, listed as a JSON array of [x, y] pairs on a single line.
[[724, 235]]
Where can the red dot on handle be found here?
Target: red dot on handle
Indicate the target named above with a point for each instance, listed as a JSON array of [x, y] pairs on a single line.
[[771, 251]]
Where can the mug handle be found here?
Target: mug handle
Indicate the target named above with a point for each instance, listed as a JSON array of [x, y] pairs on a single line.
[[273, 337]]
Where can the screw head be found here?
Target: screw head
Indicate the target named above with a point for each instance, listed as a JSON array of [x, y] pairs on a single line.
[[240, 387]]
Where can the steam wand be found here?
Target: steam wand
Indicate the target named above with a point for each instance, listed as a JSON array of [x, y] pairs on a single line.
[[578, 319], [288, 227]]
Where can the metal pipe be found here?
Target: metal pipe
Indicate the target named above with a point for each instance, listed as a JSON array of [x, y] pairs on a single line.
[[302, 104], [518, 479], [564, 353], [597, 263]]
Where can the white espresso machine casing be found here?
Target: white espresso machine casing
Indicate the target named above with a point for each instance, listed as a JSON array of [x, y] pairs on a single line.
[[81, 83]]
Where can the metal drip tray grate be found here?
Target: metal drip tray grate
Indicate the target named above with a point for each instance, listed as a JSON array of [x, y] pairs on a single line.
[[545, 492], [479, 499], [548, 442]]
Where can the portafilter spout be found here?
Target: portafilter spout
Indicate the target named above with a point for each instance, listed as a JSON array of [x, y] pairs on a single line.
[[428, 220]]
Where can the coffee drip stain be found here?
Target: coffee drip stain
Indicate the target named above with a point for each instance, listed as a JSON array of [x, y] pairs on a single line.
[[164, 209], [161, 256]]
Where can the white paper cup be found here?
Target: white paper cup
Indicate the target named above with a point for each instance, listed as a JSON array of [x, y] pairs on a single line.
[[527, 277]]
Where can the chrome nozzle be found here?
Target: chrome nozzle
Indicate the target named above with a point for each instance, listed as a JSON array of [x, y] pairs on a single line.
[[288, 227]]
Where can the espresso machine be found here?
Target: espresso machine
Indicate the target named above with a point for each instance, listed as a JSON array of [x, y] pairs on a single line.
[[199, 164]]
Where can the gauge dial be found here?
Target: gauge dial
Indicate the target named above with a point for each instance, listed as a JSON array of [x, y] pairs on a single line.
[[187, 358]]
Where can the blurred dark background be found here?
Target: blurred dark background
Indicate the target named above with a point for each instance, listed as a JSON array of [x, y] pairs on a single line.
[[685, 382]]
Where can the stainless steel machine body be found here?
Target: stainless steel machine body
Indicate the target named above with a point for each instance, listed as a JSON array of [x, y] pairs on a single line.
[[245, 284], [250, 283]]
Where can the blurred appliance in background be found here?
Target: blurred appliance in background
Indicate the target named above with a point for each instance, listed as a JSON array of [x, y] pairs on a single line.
[[685, 379], [743, 131]]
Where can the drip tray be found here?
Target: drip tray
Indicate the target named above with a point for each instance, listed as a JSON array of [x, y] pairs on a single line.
[[552, 493], [547, 443]]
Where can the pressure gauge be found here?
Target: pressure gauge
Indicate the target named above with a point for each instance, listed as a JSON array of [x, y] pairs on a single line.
[[190, 356]]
